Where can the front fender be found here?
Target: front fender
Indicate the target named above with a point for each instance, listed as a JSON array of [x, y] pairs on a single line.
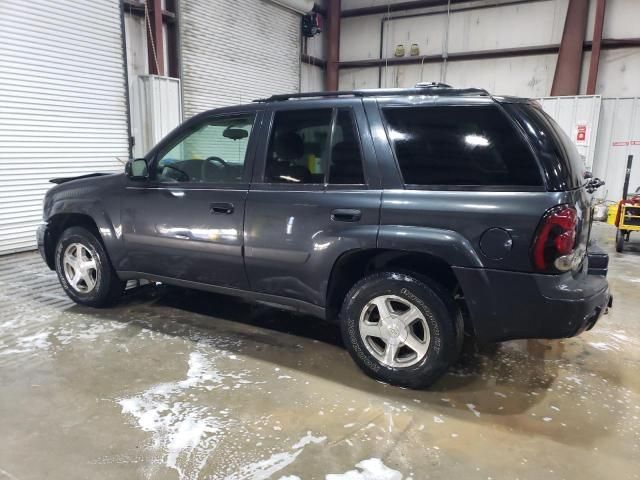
[[95, 199], [96, 211]]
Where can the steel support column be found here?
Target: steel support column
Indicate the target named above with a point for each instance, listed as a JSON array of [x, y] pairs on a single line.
[[595, 48], [155, 43], [332, 45], [566, 80]]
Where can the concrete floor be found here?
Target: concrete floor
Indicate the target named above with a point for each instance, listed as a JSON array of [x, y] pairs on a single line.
[[177, 384]]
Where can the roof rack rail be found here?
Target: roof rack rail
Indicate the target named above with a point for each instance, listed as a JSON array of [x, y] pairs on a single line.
[[419, 89], [289, 96]]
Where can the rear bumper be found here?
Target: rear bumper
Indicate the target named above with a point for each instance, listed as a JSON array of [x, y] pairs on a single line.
[[509, 305]]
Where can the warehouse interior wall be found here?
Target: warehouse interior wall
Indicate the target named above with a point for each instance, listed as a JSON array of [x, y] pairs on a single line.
[[507, 25], [235, 52], [312, 73]]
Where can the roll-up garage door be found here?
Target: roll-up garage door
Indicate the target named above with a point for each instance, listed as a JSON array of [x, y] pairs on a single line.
[[63, 105], [235, 52]]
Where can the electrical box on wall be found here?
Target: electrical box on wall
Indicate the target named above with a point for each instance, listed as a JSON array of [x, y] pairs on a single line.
[[311, 24]]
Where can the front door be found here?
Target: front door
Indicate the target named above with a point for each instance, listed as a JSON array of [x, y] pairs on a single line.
[[186, 222], [315, 196]]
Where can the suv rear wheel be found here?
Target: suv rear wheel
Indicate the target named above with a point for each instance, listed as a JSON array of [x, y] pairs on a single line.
[[84, 269], [400, 330]]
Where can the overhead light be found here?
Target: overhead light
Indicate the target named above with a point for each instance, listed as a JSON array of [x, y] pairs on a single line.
[[476, 141]]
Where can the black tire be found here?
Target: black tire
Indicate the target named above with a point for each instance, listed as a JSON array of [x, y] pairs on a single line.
[[619, 241], [107, 288], [438, 310]]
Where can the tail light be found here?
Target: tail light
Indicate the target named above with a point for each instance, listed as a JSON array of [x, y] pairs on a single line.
[[554, 247]]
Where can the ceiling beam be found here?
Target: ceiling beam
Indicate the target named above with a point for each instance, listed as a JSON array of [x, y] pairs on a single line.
[[607, 44]]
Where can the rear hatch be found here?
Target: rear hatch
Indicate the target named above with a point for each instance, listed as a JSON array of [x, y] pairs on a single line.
[[563, 167]]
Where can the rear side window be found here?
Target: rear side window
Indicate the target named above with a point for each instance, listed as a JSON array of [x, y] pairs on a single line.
[[553, 146], [299, 143], [459, 146], [315, 146], [346, 159]]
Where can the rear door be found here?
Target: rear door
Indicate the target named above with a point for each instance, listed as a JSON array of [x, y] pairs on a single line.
[[315, 195], [186, 222]]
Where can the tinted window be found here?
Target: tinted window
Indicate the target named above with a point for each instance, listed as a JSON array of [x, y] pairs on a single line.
[[346, 159], [558, 153], [298, 146], [213, 153], [459, 145]]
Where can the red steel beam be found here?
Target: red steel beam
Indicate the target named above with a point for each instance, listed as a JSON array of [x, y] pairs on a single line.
[[595, 47], [396, 7], [173, 67], [155, 43], [332, 45], [607, 44], [566, 80]]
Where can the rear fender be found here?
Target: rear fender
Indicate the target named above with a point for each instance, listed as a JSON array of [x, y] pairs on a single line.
[[448, 245]]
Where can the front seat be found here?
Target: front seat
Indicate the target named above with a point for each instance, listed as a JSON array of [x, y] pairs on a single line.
[[288, 148]]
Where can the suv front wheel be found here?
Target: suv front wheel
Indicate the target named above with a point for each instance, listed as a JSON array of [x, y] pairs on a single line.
[[84, 269], [400, 330]]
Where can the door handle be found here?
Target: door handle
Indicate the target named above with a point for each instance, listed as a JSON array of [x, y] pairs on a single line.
[[346, 215], [221, 207]]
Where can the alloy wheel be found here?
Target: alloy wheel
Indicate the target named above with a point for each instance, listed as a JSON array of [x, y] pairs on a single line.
[[394, 331], [80, 268]]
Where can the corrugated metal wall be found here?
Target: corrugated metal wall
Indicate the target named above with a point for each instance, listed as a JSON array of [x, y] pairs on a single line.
[[63, 107], [156, 109], [578, 116], [234, 52], [613, 133], [618, 137]]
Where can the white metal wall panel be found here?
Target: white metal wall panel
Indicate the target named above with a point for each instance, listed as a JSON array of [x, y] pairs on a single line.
[[156, 109], [63, 107], [572, 111], [618, 137], [235, 52]]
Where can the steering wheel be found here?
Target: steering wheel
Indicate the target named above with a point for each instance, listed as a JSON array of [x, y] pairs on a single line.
[[218, 160], [207, 161]]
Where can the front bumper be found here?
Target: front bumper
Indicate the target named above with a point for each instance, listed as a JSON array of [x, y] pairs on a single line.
[[509, 305], [43, 239]]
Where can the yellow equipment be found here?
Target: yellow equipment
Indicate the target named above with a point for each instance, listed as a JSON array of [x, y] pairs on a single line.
[[626, 214]]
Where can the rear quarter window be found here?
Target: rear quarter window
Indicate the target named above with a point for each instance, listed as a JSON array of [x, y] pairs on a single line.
[[563, 167], [459, 146]]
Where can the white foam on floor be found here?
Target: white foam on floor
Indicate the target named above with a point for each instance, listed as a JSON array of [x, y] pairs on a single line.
[[371, 469]]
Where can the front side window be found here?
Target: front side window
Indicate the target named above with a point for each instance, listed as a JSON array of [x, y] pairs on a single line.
[[459, 146], [214, 153]]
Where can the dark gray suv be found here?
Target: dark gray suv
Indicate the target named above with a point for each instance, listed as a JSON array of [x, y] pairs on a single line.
[[412, 217]]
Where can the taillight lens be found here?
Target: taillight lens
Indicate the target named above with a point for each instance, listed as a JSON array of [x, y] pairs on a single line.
[[555, 241]]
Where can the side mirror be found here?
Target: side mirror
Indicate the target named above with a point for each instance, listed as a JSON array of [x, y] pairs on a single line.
[[137, 169]]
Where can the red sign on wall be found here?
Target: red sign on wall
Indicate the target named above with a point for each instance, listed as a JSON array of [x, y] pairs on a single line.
[[581, 135]]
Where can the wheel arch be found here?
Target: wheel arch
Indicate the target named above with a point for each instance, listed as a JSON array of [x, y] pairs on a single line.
[[60, 221], [356, 264]]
